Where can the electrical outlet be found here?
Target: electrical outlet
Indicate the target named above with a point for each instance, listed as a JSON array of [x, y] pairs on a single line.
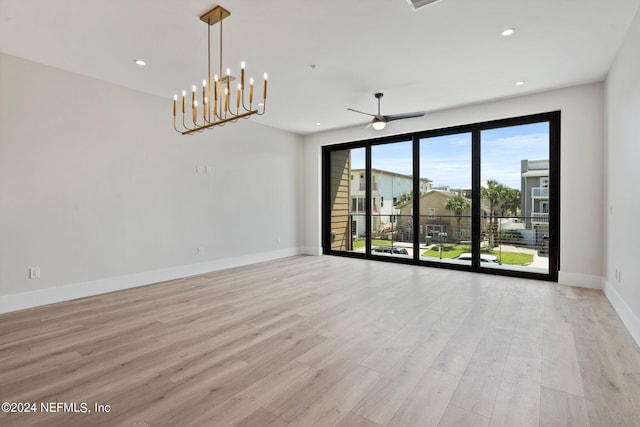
[[34, 273]]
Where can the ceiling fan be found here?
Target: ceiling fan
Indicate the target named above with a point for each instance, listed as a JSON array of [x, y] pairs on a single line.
[[379, 121]]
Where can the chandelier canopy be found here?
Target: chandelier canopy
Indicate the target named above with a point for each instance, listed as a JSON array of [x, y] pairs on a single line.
[[217, 110]]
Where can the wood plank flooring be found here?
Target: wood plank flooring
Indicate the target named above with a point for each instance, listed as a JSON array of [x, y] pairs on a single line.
[[325, 341]]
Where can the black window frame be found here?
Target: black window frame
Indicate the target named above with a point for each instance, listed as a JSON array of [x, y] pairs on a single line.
[[475, 129]]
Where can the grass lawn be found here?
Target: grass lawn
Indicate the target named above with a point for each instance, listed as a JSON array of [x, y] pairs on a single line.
[[450, 251]]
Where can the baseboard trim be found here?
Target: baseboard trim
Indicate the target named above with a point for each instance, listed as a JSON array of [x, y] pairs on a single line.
[[311, 250], [627, 316], [15, 302], [580, 280]]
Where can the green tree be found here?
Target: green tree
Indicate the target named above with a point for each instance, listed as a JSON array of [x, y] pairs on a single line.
[[496, 194], [457, 205], [407, 197], [511, 201]]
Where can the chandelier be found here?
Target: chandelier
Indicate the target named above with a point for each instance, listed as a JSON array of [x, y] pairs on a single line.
[[217, 110]]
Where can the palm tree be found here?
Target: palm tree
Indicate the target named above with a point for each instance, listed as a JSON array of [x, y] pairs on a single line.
[[495, 193], [511, 201], [457, 205]]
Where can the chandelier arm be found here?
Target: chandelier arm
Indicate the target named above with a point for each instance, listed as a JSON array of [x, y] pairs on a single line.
[[217, 109], [243, 104], [237, 113], [183, 123], [221, 123], [264, 107]]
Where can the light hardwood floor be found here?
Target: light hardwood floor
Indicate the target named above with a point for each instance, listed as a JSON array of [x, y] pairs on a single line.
[[326, 341]]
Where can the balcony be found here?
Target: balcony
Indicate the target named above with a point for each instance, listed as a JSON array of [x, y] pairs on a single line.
[[540, 192], [539, 218], [363, 186]]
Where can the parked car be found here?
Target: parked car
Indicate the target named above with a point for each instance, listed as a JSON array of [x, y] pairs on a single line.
[[483, 258], [390, 250]]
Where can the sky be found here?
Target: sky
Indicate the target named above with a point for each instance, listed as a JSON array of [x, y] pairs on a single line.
[[446, 160]]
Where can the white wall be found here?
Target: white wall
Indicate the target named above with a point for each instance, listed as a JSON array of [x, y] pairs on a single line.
[[622, 200], [98, 190], [581, 217]]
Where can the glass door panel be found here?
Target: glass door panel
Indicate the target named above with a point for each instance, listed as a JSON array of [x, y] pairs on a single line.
[[391, 199], [445, 199], [346, 208], [515, 198]]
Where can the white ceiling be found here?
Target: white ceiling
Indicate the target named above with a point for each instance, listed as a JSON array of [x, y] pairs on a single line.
[[446, 54]]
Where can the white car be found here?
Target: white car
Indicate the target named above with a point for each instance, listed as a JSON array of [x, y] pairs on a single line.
[[483, 258]]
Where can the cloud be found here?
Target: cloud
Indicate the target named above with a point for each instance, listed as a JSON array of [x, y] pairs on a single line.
[[446, 160]]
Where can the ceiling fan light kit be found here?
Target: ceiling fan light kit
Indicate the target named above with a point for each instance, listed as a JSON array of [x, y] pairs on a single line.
[[217, 110], [378, 124], [380, 121]]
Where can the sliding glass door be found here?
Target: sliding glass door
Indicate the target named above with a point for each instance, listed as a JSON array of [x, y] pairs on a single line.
[[391, 199], [480, 197], [345, 200], [445, 206], [515, 176]]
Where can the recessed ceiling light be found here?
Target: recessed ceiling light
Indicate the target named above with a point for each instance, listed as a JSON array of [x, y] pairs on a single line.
[[508, 32], [318, 124], [520, 83], [140, 62]]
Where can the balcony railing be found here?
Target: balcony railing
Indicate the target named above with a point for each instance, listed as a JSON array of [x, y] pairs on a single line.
[[363, 186], [508, 243], [539, 218], [540, 192]]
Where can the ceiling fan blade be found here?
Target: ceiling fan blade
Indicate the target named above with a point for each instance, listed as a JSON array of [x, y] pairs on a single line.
[[393, 117], [361, 112]]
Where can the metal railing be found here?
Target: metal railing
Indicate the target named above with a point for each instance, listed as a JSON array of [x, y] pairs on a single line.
[[540, 217], [515, 243], [363, 186], [540, 192]]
